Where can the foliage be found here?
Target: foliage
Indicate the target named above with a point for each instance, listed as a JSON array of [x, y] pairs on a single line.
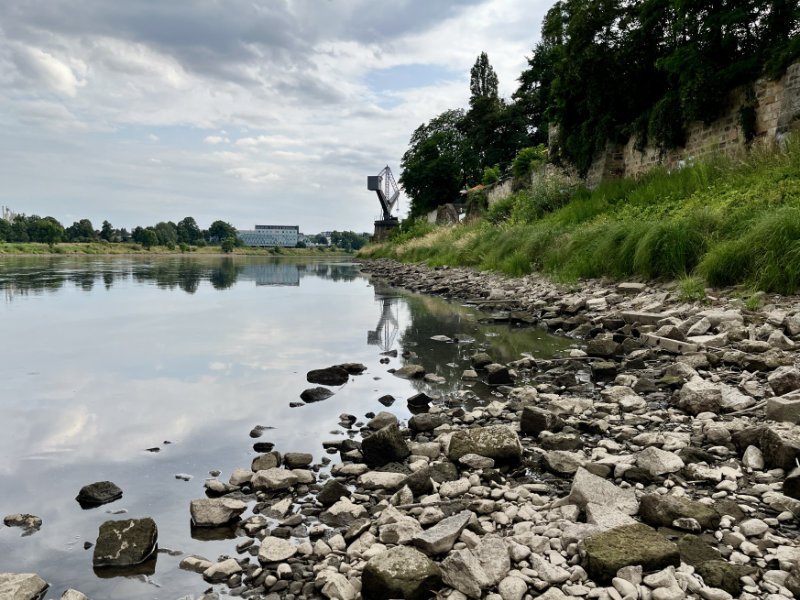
[[527, 160], [490, 175], [148, 238], [228, 245], [348, 240], [500, 211], [220, 231]]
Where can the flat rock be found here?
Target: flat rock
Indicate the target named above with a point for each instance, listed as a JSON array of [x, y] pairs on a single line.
[[212, 512], [658, 462], [100, 492], [375, 480], [335, 376], [535, 420], [784, 380], [28, 523], [343, 513], [462, 571], [698, 395], [607, 517], [660, 510], [784, 408], [22, 586], [220, 571], [316, 394], [125, 543], [441, 537], [410, 372], [275, 549], [587, 488], [400, 572], [274, 479], [498, 442], [297, 460], [630, 545]]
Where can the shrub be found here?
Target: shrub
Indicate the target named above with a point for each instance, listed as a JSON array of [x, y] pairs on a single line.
[[491, 175], [228, 245], [527, 160]]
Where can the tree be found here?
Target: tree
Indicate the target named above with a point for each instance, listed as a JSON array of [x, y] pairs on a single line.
[[220, 231], [482, 80], [188, 231], [438, 163], [49, 232], [106, 231], [81, 231], [320, 239], [5, 230], [149, 238], [228, 245], [166, 232]]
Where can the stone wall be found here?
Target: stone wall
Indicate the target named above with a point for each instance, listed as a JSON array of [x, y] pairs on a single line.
[[778, 106]]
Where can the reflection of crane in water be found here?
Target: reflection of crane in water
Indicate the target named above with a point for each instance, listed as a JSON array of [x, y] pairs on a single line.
[[385, 333]]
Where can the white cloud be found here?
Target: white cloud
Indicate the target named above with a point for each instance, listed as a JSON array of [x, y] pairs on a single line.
[[55, 74], [213, 140]]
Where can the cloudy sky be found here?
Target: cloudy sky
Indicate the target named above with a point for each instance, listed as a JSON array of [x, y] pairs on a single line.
[[251, 111]]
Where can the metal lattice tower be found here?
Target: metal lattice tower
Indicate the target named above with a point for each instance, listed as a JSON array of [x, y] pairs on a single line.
[[388, 193]]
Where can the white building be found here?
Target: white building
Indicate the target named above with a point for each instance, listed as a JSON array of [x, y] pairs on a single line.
[[268, 236]]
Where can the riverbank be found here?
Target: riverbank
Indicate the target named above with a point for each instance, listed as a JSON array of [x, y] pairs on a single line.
[[107, 249], [658, 462], [717, 221]]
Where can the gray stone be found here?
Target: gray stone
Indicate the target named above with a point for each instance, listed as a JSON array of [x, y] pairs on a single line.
[[410, 372], [401, 532], [419, 482], [476, 461], [100, 492], [331, 376], [512, 588], [780, 445], [384, 446], [480, 360], [587, 488], [381, 420], [22, 586], [784, 380], [658, 462], [343, 513], [497, 374], [498, 442], [441, 537], [552, 574], [492, 553], [376, 480], [222, 570], [784, 408], [606, 517], [753, 458], [270, 460], [337, 587], [331, 492], [274, 479], [564, 463], [661, 510], [297, 460], [462, 571], [275, 549], [535, 420], [425, 422], [125, 543], [698, 395], [72, 595], [700, 328], [400, 572], [604, 347], [610, 551], [212, 512], [28, 523]]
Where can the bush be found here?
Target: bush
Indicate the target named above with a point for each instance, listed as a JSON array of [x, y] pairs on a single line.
[[501, 210], [527, 160], [491, 175], [228, 245]]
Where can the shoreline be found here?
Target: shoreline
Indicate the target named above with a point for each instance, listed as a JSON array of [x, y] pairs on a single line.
[[650, 448]]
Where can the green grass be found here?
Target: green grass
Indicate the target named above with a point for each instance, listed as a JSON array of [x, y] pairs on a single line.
[[718, 222]]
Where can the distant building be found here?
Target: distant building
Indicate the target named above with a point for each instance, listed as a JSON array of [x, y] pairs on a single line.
[[271, 235]]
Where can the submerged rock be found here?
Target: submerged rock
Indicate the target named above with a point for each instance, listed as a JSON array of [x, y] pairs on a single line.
[[316, 394], [100, 492], [335, 376], [30, 524]]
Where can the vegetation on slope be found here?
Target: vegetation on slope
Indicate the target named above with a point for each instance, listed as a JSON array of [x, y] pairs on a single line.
[[722, 221]]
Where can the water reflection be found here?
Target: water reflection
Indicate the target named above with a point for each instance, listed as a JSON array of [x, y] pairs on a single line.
[[385, 333], [35, 275]]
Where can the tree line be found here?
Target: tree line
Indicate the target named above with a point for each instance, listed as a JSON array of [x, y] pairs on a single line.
[[606, 70], [48, 230]]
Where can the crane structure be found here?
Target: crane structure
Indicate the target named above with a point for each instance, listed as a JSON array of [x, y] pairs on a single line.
[[385, 186]]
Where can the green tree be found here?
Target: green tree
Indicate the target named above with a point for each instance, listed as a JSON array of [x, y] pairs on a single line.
[[483, 80], [188, 231], [167, 233], [81, 231], [5, 230], [228, 245], [220, 231], [49, 232], [19, 230], [107, 231], [149, 238]]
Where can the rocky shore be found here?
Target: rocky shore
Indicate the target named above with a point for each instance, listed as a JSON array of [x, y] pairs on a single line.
[[658, 463]]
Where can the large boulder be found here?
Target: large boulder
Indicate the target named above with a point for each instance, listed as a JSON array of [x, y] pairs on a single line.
[[780, 445], [658, 462], [698, 395], [400, 572], [784, 380], [661, 510], [535, 420], [784, 408], [315, 394], [212, 512], [441, 537], [342, 513], [100, 492], [274, 550], [587, 487], [274, 479], [631, 545], [125, 543], [498, 442], [384, 446], [22, 586], [335, 375]]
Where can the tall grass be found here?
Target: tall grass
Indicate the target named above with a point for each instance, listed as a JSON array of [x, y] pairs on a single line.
[[720, 221]]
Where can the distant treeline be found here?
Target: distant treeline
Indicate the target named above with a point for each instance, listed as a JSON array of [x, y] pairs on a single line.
[[605, 70], [48, 230]]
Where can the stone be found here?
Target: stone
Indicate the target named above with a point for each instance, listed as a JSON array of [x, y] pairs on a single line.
[[71, 595], [425, 422], [791, 485], [376, 480], [587, 488], [784, 408], [400, 532], [419, 482], [658, 462], [331, 492], [212, 512], [316, 394], [753, 458], [552, 574], [125, 543], [462, 571], [342, 513], [271, 460], [334, 376], [22, 586], [337, 587], [753, 527], [222, 570], [512, 588], [564, 463], [784, 380], [721, 574], [419, 402], [603, 347], [381, 420], [400, 572], [297, 460], [498, 442], [410, 372], [661, 510], [609, 551], [441, 537], [353, 368], [100, 492], [780, 446], [480, 360], [275, 549], [606, 517], [476, 461], [497, 374], [274, 479], [384, 446], [493, 556], [28, 523], [698, 395], [535, 420]]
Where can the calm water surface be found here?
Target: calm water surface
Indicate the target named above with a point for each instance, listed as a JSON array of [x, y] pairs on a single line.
[[105, 358]]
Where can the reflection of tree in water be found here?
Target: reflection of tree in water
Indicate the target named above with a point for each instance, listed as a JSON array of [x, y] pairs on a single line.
[[385, 333], [224, 276]]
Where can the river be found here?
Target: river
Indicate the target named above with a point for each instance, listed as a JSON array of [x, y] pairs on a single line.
[[136, 370]]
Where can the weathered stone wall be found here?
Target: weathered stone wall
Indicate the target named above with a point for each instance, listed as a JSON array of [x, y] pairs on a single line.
[[778, 106]]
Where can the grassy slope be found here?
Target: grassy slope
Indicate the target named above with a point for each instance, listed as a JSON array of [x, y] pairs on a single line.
[[130, 248], [719, 221]]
